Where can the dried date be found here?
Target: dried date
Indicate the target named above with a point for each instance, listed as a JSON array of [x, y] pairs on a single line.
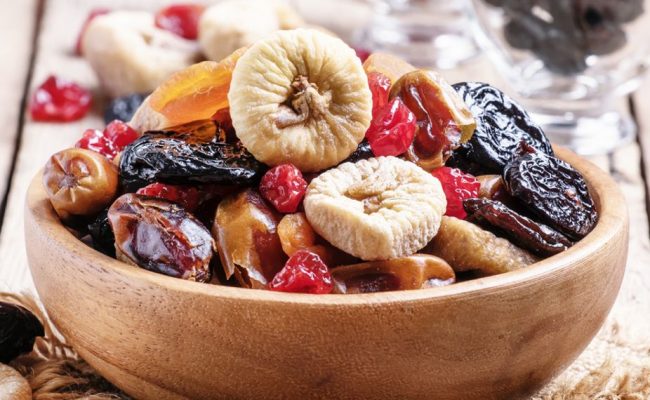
[[199, 152], [18, 331], [501, 124], [552, 190], [160, 236], [538, 238]]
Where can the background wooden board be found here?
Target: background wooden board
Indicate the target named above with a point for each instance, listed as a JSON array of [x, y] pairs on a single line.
[[60, 23]]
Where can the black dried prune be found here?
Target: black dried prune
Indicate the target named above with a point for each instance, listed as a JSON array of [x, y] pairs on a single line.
[[123, 107], [522, 231], [102, 234], [199, 152], [362, 152], [160, 236], [18, 331], [501, 124], [552, 190]]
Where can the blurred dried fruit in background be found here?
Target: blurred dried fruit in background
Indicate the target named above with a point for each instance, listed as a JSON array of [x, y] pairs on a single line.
[[180, 19], [59, 100]]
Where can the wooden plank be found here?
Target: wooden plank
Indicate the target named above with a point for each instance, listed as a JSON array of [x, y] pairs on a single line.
[[17, 21]]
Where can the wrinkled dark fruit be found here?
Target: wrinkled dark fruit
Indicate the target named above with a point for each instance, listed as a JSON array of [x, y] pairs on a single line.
[[102, 234], [19, 328], [538, 238], [123, 108], [552, 190], [160, 236], [501, 124], [363, 152], [245, 228], [195, 153]]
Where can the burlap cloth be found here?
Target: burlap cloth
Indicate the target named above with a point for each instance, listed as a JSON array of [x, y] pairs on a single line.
[[616, 366]]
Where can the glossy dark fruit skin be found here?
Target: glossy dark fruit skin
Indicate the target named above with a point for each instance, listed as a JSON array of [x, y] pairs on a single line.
[[538, 238], [123, 107], [363, 152], [501, 124], [199, 152], [552, 190], [162, 237], [102, 234], [19, 328]]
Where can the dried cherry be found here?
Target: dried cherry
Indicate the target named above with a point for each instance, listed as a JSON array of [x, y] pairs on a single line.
[[160, 236], [59, 100], [19, 329], [392, 130], [195, 153], [180, 19], [501, 124], [187, 197], [552, 190], [538, 238], [457, 186], [284, 187], [379, 87], [109, 142], [304, 272]]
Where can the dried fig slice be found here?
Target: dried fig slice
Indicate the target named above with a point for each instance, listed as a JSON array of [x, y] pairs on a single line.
[[79, 182], [245, 229], [530, 235], [404, 273], [467, 247], [160, 236]]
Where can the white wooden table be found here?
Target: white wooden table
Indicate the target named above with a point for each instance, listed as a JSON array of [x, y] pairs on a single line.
[[37, 38]]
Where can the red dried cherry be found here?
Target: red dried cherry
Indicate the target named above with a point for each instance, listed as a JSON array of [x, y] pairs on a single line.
[[284, 187], [304, 272], [457, 186], [115, 137], [391, 132], [379, 87], [187, 197], [362, 53], [180, 19], [59, 100], [92, 15]]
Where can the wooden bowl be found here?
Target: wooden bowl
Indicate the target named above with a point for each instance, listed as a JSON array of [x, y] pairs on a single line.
[[158, 337]]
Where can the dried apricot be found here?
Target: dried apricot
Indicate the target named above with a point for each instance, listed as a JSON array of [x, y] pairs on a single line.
[[392, 67]]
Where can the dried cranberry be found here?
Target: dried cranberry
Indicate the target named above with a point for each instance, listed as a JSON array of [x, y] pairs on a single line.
[[115, 137], [379, 87], [391, 132], [304, 272], [180, 19], [284, 187], [59, 100], [457, 186], [187, 197], [93, 13], [362, 53]]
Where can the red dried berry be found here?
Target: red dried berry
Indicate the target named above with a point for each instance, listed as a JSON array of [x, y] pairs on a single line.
[[379, 87], [362, 53], [59, 100], [93, 13], [391, 132], [457, 186], [180, 19], [187, 197], [284, 187], [115, 137], [304, 272]]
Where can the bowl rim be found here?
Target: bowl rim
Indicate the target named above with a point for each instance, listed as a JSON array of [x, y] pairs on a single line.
[[613, 218]]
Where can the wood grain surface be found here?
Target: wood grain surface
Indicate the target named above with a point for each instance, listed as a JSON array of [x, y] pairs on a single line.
[[61, 20]]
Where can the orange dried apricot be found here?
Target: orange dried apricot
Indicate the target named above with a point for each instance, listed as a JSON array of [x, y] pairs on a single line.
[[392, 67]]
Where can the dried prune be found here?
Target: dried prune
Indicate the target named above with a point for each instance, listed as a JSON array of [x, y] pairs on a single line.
[[405, 273], [102, 234], [362, 152], [501, 124], [160, 236], [199, 152], [538, 238], [18, 331], [552, 190], [245, 228]]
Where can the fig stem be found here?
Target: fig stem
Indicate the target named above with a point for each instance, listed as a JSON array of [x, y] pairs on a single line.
[[305, 102]]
